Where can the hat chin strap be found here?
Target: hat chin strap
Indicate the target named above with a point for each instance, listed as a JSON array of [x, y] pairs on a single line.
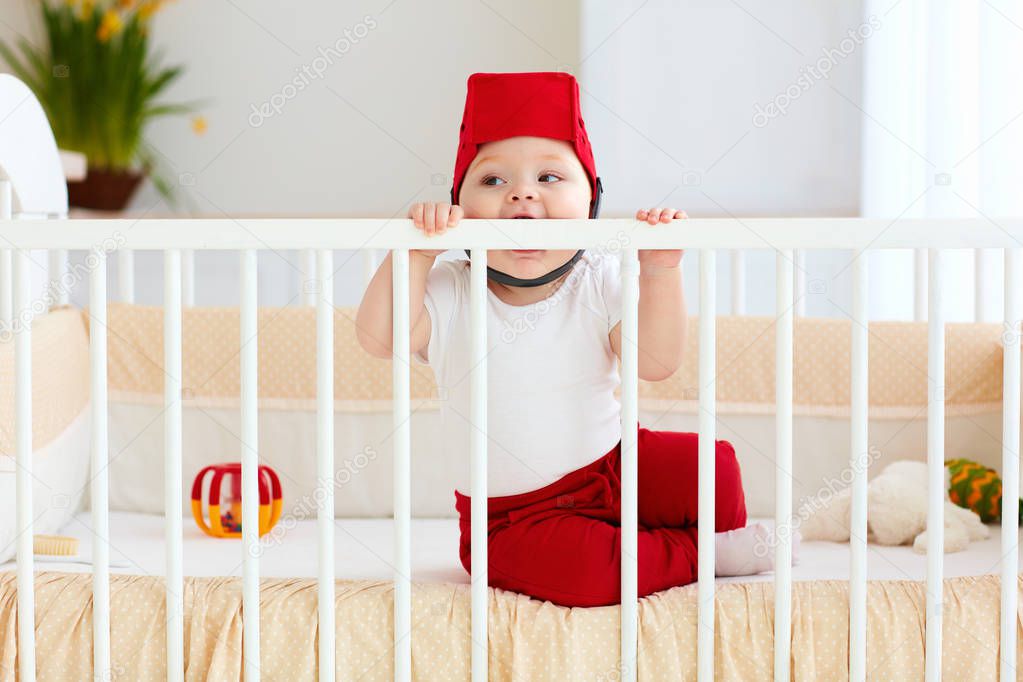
[[512, 281]]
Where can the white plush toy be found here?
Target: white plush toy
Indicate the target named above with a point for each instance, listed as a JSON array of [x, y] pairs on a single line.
[[896, 512]]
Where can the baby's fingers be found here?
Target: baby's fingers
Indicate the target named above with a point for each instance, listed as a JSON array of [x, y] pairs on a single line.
[[455, 216], [443, 218], [416, 213], [429, 218]]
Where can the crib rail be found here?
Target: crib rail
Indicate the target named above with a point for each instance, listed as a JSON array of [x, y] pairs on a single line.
[[706, 237], [374, 233]]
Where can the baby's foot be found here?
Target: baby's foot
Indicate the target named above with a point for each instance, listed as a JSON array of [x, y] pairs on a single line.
[[747, 551]]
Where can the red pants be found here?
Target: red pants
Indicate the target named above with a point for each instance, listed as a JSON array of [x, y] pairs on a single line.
[[562, 543]]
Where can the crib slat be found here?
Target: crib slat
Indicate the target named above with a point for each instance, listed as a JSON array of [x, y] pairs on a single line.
[[56, 267], [6, 263], [738, 282], [981, 290], [308, 257], [707, 464], [630, 464], [126, 274], [172, 472], [858, 462], [935, 464], [783, 468], [1010, 461], [402, 468], [99, 491], [188, 277], [479, 469], [23, 483], [800, 282], [6, 289], [369, 265], [325, 458], [919, 284], [250, 465]]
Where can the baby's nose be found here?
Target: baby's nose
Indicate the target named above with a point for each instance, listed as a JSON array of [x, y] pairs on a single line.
[[523, 195]]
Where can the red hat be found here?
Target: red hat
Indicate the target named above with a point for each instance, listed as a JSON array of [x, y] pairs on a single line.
[[503, 105]]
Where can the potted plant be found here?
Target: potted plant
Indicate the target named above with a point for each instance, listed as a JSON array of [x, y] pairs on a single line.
[[98, 82]]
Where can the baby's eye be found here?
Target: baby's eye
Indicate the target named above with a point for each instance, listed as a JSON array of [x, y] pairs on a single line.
[[548, 175], [496, 180]]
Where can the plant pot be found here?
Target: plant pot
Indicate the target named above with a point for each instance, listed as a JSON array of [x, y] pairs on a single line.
[[104, 189]]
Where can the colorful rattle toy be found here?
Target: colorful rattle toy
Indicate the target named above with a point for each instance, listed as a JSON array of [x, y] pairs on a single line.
[[229, 524]]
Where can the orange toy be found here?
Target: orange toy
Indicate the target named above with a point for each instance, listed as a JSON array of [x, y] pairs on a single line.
[[229, 525]]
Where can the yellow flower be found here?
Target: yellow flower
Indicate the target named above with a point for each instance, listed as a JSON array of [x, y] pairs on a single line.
[[149, 7], [199, 125], [110, 25], [125, 5]]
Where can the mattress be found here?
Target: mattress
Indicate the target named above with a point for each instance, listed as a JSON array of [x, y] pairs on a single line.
[[364, 551], [528, 639]]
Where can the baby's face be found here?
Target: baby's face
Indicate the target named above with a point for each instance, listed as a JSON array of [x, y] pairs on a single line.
[[535, 177]]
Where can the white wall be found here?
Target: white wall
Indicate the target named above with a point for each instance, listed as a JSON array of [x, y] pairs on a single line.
[[670, 100], [375, 132], [669, 95]]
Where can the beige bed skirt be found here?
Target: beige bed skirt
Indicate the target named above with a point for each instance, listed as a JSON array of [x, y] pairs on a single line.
[[529, 640]]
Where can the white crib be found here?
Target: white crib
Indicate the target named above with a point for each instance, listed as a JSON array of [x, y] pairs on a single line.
[[177, 239], [706, 236]]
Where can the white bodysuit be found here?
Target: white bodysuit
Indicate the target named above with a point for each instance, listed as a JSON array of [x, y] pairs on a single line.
[[551, 374]]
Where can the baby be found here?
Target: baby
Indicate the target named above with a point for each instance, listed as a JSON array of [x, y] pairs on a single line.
[[554, 341]]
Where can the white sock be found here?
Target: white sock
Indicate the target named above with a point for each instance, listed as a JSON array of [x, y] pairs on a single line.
[[747, 551]]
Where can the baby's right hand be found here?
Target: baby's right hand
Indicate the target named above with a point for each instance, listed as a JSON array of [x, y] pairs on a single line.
[[434, 218]]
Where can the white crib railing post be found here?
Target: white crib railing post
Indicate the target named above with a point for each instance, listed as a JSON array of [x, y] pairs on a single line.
[[126, 274], [6, 263], [738, 282], [478, 467], [325, 458], [56, 267], [98, 492], [369, 265], [6, 289], [23, 483], [630, 465], [919, 284], [981, 290], [188, 277], [1010, 461], [859, 461], [250, 465], [935, 464], [800, 283], [402, 467], [172, 472], [783, 468], [707, 464], [308, 272]]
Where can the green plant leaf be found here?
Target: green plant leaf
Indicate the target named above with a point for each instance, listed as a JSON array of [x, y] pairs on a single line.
[[105, 92]]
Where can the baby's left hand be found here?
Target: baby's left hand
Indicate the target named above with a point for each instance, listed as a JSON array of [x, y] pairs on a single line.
[[659, 258]]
